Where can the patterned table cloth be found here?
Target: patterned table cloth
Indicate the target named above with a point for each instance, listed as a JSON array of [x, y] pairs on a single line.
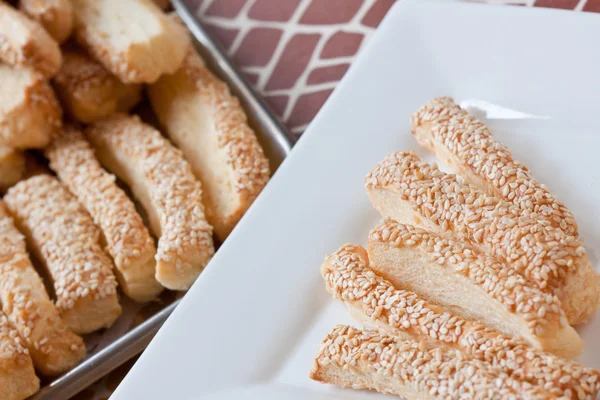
[[294, 52]]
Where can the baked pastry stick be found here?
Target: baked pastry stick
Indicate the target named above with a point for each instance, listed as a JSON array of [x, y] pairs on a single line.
[[404, 314], [209, 125], [465, 143], [162, 180], [411, 191], [53, 348], [17, 376], [127, 240], [29, 110], [12, 167], [25, 43], [88, 91], [56, 16], [63, 237], [134, 39], [365, 359], [481, 287]]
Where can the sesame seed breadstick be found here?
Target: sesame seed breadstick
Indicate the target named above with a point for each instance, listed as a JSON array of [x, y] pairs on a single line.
[[466, 143], [364, 359], [127, 239], [375, 301], [12, 167], [481, 287], [88, 91], [209, 125], [17, 376], [53, 348], [29, 110], [56, 16], [162, 180], [134, 39], [25, 43], [411, 191], [62, 235]]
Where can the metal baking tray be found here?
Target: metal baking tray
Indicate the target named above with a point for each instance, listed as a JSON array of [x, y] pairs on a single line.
[[110, 349]]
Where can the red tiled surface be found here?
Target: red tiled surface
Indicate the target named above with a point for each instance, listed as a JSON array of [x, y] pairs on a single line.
[[294, 52]]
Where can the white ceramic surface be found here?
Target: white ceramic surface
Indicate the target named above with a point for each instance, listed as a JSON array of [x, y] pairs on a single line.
[[251, 325]]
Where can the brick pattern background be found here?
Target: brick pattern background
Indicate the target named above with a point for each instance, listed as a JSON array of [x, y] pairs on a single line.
[[294, 52]]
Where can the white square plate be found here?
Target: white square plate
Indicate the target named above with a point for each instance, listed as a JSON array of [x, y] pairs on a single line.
[[251, 325]]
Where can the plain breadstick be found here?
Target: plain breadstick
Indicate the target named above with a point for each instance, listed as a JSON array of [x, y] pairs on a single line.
[[12, 167], [465, 143], [62, 235], [54, 15], [364, 359], [17, 376], [134, 39], [411, 191], [162, 180], [209, 125], [25, 43], [29, 110], [405, 314], [88, 91], [127, 239], [53, 348]]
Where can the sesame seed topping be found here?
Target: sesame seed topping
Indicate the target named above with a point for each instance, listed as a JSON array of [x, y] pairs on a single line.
[[382, 362], [65, 239], [395, 311], [446, 204], [174, 195], [446, 129]]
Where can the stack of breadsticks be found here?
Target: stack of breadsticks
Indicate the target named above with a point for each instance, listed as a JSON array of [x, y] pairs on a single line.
[[470, 284], [70, 72]]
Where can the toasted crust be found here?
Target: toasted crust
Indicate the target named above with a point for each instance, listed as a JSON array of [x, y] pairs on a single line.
[[364, 359], [404, 314], [53, 348], [163, 182], [29, 110], [88, 91], [128, 241], [209, 125], [134, 39], [466, 143], [411, 191], [25, 43], [62, 235], [56, 16], [12, 167], [17, 376]]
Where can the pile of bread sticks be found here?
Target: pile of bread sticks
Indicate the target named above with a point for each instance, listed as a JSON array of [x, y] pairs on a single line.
[[471, 283], [71, 71]]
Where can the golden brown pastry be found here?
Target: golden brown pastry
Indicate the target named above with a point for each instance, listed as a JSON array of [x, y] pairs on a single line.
[[411, 191], [12, 167], [209, 125], [88, 91], [404, 314], [162, 180], [364, 359], [53, 348], [56, 16], [127, 240], [25, 43], [17, 376], [62, 235], [133, 39], [29, 110], [465, 143]]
